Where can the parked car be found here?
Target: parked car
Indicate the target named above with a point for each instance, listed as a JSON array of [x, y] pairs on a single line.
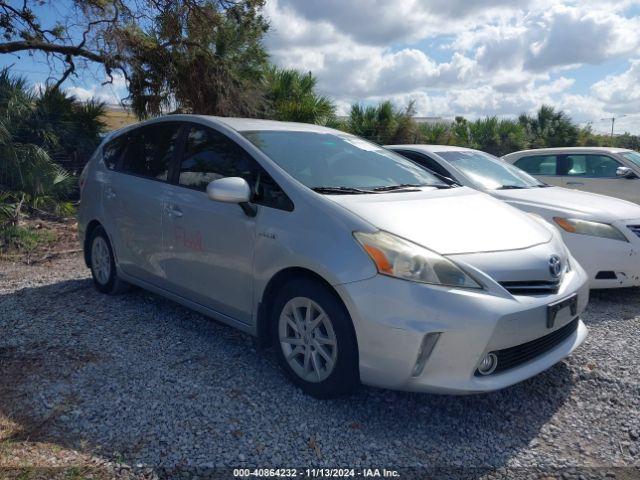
[[603, 233], [608, 171], [357, 264]]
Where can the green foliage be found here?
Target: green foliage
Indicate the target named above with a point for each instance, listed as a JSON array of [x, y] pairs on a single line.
[[549, 128], [32, 126], [383, 123], [439, 133], [22, 239], [292, 97], [201, 57]]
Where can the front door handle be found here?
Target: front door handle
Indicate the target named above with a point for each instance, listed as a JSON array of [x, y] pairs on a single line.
[[575, 183], [173, 211]]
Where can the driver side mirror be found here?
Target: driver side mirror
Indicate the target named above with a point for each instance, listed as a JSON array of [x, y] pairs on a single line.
[[625, 172], [232, 190]]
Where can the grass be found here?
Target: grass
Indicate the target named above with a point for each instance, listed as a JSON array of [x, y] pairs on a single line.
[[15, 238]]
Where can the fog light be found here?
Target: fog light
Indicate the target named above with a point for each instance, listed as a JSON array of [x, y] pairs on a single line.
[[488, 364], [426, 347]]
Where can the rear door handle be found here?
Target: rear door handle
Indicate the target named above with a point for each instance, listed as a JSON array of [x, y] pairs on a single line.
[[575, 183], [173, 211], [110, 192]]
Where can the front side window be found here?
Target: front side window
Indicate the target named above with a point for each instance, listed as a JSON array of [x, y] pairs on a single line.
[[539, 164], [209, 155], [594, 166], [338, 161], [150, 150], [489, 171], [425, 161], [632, 157]]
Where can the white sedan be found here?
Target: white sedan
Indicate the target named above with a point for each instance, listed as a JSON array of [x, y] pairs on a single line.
[[603, 233]]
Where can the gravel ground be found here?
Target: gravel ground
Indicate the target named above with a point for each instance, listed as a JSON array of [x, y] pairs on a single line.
[[135, 379]]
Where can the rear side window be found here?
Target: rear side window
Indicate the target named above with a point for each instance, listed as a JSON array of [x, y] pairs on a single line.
[[150, 150], [594, 166], [209, 155], [112, 151], [539, 164]]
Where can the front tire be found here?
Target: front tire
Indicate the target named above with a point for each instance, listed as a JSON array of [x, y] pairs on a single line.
[[102, 263], [314, 339]]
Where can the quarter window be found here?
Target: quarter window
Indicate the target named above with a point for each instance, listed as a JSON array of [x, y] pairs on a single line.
[[539, 164], [594, 166], [112, 151], [209, 155], [150, 150]]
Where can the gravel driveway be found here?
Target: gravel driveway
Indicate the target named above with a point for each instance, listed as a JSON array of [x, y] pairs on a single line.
[[139, 380]]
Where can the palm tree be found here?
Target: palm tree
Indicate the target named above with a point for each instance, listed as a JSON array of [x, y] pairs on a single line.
[[549, 128], [292, 96], [383, 123], [31, 126], [438, 133], [497, 137]]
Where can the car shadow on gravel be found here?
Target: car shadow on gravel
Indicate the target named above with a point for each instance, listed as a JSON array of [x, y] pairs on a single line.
[[625, 302], [139, 378]]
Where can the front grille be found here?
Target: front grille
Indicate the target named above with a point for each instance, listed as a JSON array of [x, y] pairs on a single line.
[[514, 356], [533, 287], [635, 229]]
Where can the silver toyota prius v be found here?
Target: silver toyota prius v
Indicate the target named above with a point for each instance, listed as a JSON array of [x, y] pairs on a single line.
[[355, 263]]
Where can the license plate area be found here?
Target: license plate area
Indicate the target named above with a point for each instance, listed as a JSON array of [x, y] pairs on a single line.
[[554, 308]]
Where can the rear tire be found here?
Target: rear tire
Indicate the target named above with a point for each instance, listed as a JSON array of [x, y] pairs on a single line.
[[103, 265], [314, 339]]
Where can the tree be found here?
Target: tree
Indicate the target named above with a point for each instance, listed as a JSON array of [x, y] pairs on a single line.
[[198, 57], [292, 96], [497, 137], [34, 127], [383, 123], [549, 128], [201, 56], [438, 133]]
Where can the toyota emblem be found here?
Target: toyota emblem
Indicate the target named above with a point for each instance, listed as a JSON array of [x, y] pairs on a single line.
[[555, 266]]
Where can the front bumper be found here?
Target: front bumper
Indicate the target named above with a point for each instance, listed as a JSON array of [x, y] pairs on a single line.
[[608, 263], [392, 316]]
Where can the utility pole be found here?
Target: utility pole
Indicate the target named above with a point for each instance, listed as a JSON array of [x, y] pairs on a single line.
[[613, 122]]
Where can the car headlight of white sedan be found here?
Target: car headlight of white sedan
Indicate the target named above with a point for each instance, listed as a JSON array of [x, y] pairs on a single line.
[[400, 258], [593, 229]]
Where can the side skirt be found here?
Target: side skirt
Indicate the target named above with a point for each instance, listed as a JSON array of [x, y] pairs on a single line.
[[221, 317]]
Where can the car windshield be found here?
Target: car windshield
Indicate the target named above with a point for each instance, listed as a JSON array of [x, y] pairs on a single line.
[[489, 171], [340, 163], [632, 157]]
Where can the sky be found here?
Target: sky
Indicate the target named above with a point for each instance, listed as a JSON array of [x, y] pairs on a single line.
[[452, 57]]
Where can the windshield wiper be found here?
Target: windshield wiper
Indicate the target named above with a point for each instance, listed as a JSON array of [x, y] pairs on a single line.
[[342, 190], [511, 187], [409, 187]]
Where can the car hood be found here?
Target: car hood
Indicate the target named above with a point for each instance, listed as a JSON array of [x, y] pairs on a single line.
[[459, 220], [598, 207]]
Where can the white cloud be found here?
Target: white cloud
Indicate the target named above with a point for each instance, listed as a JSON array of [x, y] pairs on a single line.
[[111, 93], [504, 56], [621, 93]]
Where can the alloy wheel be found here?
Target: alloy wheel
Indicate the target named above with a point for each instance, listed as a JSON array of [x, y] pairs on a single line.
[[307, 339], [101, 260]]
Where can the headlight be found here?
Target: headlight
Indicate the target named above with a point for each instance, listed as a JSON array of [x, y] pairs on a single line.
[[400, 258], [594, 229]]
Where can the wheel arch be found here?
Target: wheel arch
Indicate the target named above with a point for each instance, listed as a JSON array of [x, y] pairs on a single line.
[[268, 296]]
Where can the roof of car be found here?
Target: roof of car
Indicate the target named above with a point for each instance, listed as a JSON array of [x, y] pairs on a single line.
[[569, 149], [431, 148], [248, 124], [238, 124]]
